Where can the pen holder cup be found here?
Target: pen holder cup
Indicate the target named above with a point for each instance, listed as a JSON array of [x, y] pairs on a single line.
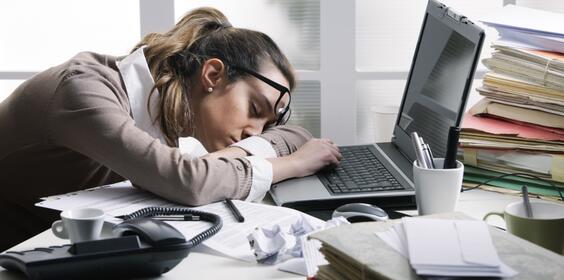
[[437, 190]]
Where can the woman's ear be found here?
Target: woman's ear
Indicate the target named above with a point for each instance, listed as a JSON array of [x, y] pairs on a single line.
[[212, 74]]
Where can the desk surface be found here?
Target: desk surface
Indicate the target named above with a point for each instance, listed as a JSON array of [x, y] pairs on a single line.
[[203, 264]]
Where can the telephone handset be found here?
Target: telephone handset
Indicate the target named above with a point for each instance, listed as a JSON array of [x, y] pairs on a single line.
[[141, 247]]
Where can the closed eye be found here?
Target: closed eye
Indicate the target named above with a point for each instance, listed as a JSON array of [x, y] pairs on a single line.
[[254, 109]]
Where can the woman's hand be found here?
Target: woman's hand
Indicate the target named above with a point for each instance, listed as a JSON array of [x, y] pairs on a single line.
[[314, 155]]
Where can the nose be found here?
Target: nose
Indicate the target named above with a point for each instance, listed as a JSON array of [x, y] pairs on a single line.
[[252, 129]]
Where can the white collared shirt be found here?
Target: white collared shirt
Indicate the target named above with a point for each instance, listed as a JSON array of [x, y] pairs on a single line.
[[139, 82]]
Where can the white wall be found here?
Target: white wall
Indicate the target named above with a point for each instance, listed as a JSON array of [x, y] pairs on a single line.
[[350, 56]]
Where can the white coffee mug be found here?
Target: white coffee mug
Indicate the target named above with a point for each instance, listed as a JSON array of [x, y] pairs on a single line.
[[79, 225], [437, 190]]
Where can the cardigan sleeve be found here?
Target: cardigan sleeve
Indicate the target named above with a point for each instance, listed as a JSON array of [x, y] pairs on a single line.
[[286, 139], [86, 115]]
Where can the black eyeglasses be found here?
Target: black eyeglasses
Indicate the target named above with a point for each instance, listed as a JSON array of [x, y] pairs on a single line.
[[282, 111]]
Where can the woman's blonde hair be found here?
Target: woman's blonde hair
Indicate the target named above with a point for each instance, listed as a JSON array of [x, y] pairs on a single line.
[[173, 57]]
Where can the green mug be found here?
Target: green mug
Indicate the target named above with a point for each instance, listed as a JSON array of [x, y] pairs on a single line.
[[545, 228]]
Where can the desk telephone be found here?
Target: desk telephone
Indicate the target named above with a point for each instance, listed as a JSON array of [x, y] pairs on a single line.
[[141, 247]]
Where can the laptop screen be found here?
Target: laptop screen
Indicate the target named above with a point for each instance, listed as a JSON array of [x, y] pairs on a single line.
[[439, 81]]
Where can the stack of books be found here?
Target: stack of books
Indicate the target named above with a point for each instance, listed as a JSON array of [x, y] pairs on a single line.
[[518, 126]]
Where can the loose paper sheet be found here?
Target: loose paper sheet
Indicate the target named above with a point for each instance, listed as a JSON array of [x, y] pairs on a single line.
[[121, 198]]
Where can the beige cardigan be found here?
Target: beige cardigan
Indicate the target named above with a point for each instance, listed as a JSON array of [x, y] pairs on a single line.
[[70, 128]]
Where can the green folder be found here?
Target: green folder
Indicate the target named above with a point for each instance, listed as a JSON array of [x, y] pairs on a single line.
[[479, 175]]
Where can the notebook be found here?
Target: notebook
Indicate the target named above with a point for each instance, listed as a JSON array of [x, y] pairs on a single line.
[[434, 99]]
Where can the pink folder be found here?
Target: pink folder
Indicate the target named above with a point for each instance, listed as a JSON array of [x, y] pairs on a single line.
[[506, 128]]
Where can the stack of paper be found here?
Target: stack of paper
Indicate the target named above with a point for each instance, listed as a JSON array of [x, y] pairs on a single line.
[[524, 85], [518, 127], [528, 28], [483, 132], [447, 247], [508, 147]]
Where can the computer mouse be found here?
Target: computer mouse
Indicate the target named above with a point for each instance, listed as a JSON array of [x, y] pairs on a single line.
[[155, 232], [360, 212]]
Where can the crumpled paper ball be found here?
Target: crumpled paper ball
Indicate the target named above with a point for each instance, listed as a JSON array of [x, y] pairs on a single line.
[[272, 245]]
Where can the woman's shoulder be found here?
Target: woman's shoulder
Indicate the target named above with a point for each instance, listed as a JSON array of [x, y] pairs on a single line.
[[91, 62], [92, 74], [91, 68], [80, 71]]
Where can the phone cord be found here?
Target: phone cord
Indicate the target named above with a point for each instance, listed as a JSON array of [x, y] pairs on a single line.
[[204, 216]]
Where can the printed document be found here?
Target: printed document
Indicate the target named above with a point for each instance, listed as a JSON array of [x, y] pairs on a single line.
[[121, 198]]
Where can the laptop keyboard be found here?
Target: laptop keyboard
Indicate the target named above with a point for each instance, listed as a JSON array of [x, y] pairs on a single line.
[[359, 171]]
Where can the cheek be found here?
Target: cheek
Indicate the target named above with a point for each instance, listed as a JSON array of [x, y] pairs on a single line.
[[223, 116]]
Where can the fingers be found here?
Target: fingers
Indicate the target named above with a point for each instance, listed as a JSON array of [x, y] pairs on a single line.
[[333, 145], [334, 160], [335, 156], [328, 141], [335, 152], [334, 149], [326, 152]]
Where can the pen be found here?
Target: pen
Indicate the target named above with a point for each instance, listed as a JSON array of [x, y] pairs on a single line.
[[234, 210], [187, 217], [418, 150], [429, 153], [452, 147], [526, 202], [426, 154]]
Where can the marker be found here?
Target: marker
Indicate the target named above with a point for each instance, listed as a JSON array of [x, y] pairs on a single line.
[[452, 147]]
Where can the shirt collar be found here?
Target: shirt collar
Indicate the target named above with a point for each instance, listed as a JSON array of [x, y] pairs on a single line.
[[138, 83]]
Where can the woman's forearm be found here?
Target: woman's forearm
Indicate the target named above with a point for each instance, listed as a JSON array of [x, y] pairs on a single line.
[[282, 168], [229, 152], [309, 158]]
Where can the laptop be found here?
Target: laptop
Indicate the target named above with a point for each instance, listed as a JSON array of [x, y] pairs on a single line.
[[434, 99]]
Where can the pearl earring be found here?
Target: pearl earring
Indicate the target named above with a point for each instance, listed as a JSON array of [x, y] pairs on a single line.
[[210, 89]]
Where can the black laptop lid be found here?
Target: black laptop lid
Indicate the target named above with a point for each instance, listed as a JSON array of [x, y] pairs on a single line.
[[439, 80]]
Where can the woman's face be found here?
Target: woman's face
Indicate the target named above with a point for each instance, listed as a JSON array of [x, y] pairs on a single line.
[[232, 112]]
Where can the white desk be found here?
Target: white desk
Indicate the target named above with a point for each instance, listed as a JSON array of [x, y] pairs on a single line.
[[205, 265]]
